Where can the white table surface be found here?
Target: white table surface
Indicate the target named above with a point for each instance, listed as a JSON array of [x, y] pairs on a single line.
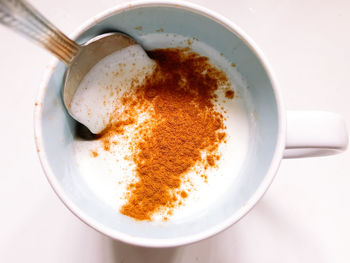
[[305, 215]]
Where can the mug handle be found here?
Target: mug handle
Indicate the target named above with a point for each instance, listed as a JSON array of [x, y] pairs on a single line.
[[314, 133]]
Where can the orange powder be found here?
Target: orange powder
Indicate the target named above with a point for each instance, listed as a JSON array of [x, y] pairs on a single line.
[[94, 154], [229, 94], [184, 126]]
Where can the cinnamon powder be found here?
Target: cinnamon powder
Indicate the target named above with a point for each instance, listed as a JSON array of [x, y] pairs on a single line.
[[229, 94], [184, 129]]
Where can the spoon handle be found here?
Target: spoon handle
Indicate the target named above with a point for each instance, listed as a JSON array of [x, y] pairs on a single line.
[[23, 18]]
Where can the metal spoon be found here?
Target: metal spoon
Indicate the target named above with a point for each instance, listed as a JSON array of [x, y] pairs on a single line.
[[79, 59]]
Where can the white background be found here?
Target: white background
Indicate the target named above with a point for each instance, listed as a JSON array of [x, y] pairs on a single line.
[[305, 215]]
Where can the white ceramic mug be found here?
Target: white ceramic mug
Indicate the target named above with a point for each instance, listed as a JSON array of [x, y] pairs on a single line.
[[278, 133]]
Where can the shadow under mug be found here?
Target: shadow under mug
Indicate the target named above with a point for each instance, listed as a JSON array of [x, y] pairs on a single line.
[[308, 133]]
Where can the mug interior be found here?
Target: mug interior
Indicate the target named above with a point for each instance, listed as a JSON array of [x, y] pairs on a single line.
[[57, 129]]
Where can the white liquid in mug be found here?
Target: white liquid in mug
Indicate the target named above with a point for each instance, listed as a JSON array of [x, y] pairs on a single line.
[[108, 174]]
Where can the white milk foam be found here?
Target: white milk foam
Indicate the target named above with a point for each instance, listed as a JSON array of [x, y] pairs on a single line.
[[109, 173]]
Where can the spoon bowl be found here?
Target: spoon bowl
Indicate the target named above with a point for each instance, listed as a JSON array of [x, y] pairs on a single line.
[[89, 55]]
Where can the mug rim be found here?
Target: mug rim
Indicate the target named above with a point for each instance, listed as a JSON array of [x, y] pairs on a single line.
[[234, 218]]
